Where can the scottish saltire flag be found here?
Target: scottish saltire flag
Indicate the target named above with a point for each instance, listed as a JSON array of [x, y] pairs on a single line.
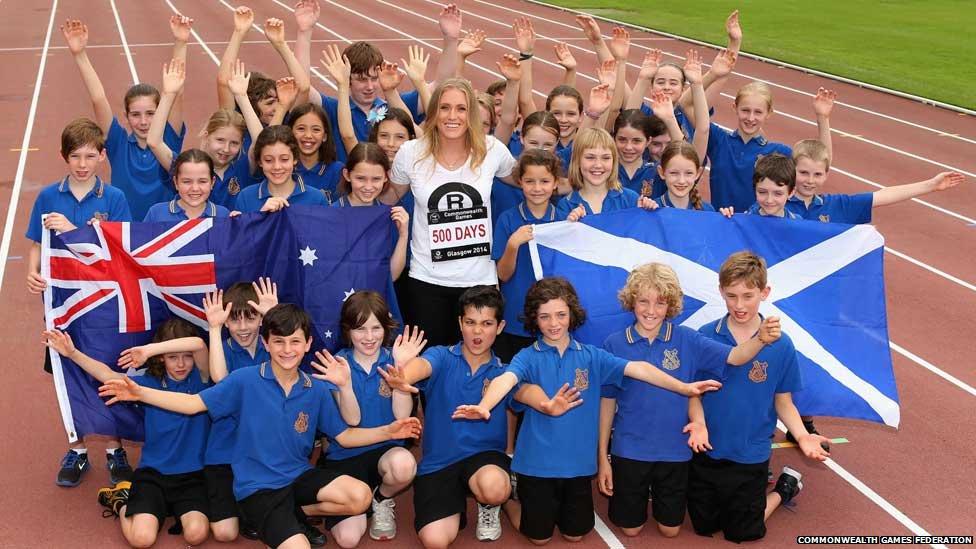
[[112, 284], [827, 285]]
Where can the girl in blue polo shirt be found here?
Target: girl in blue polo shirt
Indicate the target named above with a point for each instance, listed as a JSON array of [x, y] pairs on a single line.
[[169, 479], [593, 175], [632, 131], [317, 162], [681, 169], [276, 152], [566, 104], [388, 468], [193, 177]]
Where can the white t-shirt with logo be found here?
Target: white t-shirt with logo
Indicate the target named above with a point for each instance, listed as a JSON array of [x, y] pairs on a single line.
[[451, 240]]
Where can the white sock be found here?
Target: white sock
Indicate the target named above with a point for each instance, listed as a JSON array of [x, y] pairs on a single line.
[[80, 451], [110, 451]]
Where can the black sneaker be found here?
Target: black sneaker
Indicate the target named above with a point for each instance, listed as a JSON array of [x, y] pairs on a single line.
[[118, 466], [113, 499], [248, 530], [73, 466], [808, 425], [315, 536], [788, 485]]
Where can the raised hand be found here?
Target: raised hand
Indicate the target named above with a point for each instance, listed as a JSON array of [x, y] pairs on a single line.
[[564, 56], [723, 63], [390, 76], [510, 67], [947, 180], [652, 60], [75, 35], [401, 219], [565, 399], [134, 357], [416, 64], [606, 73], [333, 369], [700, 387], [471, 411], [174, 76], [243, 19], [727, 211], [472, 42], [693, 67], [180, 26], [239, 79], [620, 43], [661, 105], [59, 341], [274, 30], [823, 102], [811, 447], [336, 64], [408, 427], [306, 14], [697, 437], [408, 345], [287, 91], [524, 35], [732, 27], [57, 222], [396, 379], [267, 295], [522, 235], [213, 305], [450, 22], [769, 330], [590, 28], [120, 389]]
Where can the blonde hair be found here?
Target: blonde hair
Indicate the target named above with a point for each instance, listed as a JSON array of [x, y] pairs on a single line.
[[223, 118], [653, 276], [756, 88], [488, 102], [813, 149], [475, 138], [593, 138], [745, 267]]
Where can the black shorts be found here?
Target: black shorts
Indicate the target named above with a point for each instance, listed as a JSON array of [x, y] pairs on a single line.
[[632, 479], [435, 308], [364, 467], [550, 502], [444, 493], [276, 513], [162, 495], [220, 492], [728, 496], [507, 345]]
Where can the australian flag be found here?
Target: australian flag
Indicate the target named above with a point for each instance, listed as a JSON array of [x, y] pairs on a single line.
[[112, 284], [827, 285]]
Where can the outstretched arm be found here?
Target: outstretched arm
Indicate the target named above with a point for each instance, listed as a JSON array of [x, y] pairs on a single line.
[[769, 332], [823, 104], [217, 314], [398, 260], [408, 367], [180, 25], [243, 18], [565, 59], [125, 389], [812, 446], [134, 357], [449, 22], [274, 30], [336, 371], [355, 437], [416, 68], [525, 41], [238, 87], [338, 67], [647, 373], [900, 193], [592, 32], [644, 78], [62, 344], [76, 35], [174, 77], [693, 75], [696, 429], [511, 69], [497, 390], [306, 17]]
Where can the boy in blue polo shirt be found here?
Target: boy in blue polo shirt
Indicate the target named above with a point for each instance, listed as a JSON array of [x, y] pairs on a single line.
[[649, 448], [773, 181], [727, 485], [80, 198], [555, 457], [812, 159], [279, 408]]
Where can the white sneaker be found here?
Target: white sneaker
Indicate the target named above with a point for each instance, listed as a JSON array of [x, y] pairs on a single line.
[[382, 526], [489, 523]]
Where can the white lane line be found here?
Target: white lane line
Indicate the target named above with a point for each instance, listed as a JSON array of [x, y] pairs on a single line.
[[941, 133], [932, 368], [927, 204], [931, 269], [125, 44], [612, 541], [196, 36], [8, 226]]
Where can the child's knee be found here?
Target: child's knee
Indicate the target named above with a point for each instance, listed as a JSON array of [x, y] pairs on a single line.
[[632, 532], [436, 538], [402, 468], [493, 487], [669, 531], [540, 541], [224, 532], [196, 531], [359, 496], [348, 536], [572, 539], [142, 537]]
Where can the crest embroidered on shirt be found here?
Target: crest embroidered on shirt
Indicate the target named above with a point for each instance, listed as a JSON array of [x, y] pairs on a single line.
[[757, 374], [233, 187], [301, 424], [671, 361], [582, 379], [101, 216], [646, 188], [384, 389], [484, 387], [824, 218]]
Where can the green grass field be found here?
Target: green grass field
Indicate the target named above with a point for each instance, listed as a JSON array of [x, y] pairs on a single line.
[[926, 48]]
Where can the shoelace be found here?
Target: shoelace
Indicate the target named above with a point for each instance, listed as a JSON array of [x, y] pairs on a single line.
[[70, 459], [485, 515], [385, 518], [119, 458]]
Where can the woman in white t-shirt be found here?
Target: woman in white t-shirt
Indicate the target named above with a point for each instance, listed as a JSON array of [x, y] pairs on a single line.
[[449, 169]]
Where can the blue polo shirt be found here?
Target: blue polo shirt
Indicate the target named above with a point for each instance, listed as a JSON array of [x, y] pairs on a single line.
[[172, 211], [447, 441], [275, 432], [102, 202], [679, 115], [324, 177], [252, 199], [135, 170], [223, 431], [564, 151], [647, 172], [665, 201], [515, 288], [360, 121], [236, 177], [834, 208], [755, 209], [733, 162], [615, 200], [649, 420], [375, 401], [564, 446], [175, 442], [741, 415], [505, 196]]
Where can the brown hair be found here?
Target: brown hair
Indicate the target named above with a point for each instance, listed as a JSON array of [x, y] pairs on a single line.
[[137, 91], [537, 157], [546, 290], [653, 276], [327, 150], [275, 134], [745, 267], [369, 153], [776, 167], [173, 328], [78, 133], [496, 87], [394, 114], [260, 87], [684, 150], [541, 119], [488, 102], [475, 138], [356, 310], [568, 91], [363, 57], [593, 138], [238, 295], [813, 149]]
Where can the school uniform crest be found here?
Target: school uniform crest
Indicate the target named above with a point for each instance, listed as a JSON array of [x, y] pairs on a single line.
[[301, 424], [582, 379], [384, 389], [671, 361], [757, 374], [824, 218], [646, 188], [100, 216], [233, 187]]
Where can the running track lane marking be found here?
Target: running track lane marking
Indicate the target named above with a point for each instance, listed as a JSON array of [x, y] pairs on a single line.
[[692, 41], [8, 225], [195, 35], [604, 531], [872, 495], [125, 44], [932, 368]]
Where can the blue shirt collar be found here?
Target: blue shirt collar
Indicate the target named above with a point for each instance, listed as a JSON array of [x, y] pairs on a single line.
[[263, 191], [664, 334], [458, 350], [209, 211], [384, 357], [523, 209], [723, 326], [817, 200], [267, 373], [759, 139], [98, 190], [540, 345]]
